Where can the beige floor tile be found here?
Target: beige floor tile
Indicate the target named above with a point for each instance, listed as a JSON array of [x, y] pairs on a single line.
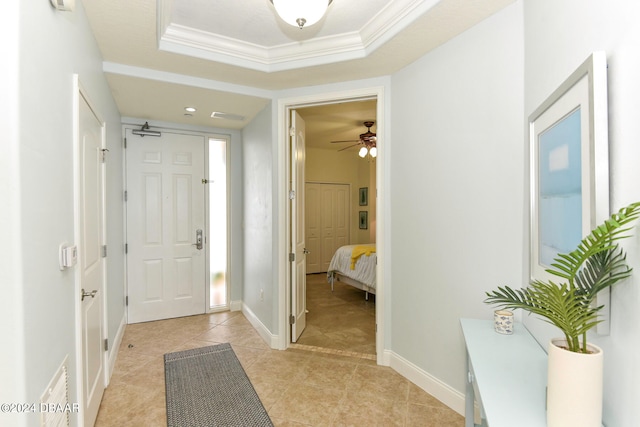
[[302, 386], [378, 381], [426, 416], [303, 403], [371, 412]]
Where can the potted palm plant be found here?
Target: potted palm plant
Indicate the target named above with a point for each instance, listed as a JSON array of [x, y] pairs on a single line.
[[574, 390]]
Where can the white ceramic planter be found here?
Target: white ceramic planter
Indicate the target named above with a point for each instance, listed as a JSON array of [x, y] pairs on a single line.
[[574, 386]]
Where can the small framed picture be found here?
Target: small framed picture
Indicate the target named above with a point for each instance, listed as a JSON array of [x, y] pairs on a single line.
[[364, 196], [363, 220]]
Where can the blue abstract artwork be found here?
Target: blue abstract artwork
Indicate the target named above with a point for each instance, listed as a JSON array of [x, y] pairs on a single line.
[[560, 188]]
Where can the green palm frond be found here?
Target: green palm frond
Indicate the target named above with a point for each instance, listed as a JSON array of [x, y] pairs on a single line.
[[602, 238], [596, 264]]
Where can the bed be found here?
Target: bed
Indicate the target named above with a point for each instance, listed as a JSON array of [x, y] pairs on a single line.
[[355, 265]]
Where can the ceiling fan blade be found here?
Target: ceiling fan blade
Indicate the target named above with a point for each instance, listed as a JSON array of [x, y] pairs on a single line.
[[346, 148], [348, 140]]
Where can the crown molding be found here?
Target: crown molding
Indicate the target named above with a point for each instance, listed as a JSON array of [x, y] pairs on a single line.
[[386, 24], [204, 45]]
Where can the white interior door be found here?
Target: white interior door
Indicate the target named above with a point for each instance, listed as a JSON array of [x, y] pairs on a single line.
[[166, 263], [298, 274], [90, 258]]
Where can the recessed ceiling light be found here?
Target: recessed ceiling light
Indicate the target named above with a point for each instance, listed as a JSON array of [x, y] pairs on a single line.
[[190, 109]]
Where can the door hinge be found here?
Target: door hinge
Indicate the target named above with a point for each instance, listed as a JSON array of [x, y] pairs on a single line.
[[126, 248], [126, 300], [104, 251], [292, 131], [292, 320], [125, 143], [126, 195], [292, 194], [292, 257], [106, 344]]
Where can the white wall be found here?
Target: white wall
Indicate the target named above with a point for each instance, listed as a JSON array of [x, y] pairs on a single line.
[[38, 299], [12, 364], [559, 36], [259, 236], [456, 194]]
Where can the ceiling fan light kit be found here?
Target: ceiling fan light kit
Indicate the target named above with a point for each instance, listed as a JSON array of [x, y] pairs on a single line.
[[368, 141], [300, 13]]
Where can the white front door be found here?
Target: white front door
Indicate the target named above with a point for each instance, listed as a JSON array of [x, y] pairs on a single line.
[[166, 263], [298, 265], [90, 257]]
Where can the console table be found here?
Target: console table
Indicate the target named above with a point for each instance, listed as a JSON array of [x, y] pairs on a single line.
[[506, 375]]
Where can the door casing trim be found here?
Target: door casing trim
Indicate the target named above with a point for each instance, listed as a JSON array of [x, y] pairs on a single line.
[[285, 106]]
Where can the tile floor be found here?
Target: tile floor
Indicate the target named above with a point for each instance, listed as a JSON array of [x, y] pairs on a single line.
[[341, 320], [341, 386]]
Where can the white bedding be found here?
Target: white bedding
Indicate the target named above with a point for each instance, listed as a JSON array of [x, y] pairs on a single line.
[[365, 267]]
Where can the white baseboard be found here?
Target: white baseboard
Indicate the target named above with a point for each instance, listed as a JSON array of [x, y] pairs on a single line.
[[441, 391], [113, 347], [235, 305], [265, 334]]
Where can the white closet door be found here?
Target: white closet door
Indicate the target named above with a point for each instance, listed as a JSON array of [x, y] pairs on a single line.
[[327, 223], [312, 224]]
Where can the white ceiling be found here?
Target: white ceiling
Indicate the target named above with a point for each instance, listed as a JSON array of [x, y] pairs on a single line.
[[161, 56]]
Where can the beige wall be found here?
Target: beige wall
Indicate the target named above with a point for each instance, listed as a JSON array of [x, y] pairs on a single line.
[[345, 167]]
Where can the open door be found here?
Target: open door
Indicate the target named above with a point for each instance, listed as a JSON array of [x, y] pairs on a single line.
[[298, 250]]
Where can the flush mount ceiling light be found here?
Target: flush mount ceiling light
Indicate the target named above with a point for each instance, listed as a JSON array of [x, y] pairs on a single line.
[[301, 12], [190, 109]]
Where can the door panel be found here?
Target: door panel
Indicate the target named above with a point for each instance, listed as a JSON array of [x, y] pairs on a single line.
[[165, 210], [298, 276], [91, 262], [342, 216], [312, 224]]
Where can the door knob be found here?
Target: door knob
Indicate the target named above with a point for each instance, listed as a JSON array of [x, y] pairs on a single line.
[[306, 251], [198, 243], [91, 294]]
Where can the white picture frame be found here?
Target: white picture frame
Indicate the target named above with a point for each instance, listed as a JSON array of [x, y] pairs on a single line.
[[569, 168]]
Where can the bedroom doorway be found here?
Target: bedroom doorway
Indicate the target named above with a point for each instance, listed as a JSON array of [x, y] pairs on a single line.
[[342, 319], [374, 224]]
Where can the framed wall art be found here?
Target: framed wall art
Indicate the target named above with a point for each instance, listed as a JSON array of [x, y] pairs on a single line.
[[363, 196], [363, 220], [569, 164]]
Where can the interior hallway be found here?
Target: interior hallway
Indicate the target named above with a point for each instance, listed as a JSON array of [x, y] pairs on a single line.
[[297, 387]]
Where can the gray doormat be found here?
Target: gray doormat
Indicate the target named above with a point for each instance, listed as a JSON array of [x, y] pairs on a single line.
[[208, 387]]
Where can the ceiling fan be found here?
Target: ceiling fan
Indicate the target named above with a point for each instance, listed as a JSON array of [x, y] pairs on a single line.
[[367, 140]]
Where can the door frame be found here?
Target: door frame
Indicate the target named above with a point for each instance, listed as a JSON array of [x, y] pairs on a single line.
[[285, 106], [78, 93], [206, 134]]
